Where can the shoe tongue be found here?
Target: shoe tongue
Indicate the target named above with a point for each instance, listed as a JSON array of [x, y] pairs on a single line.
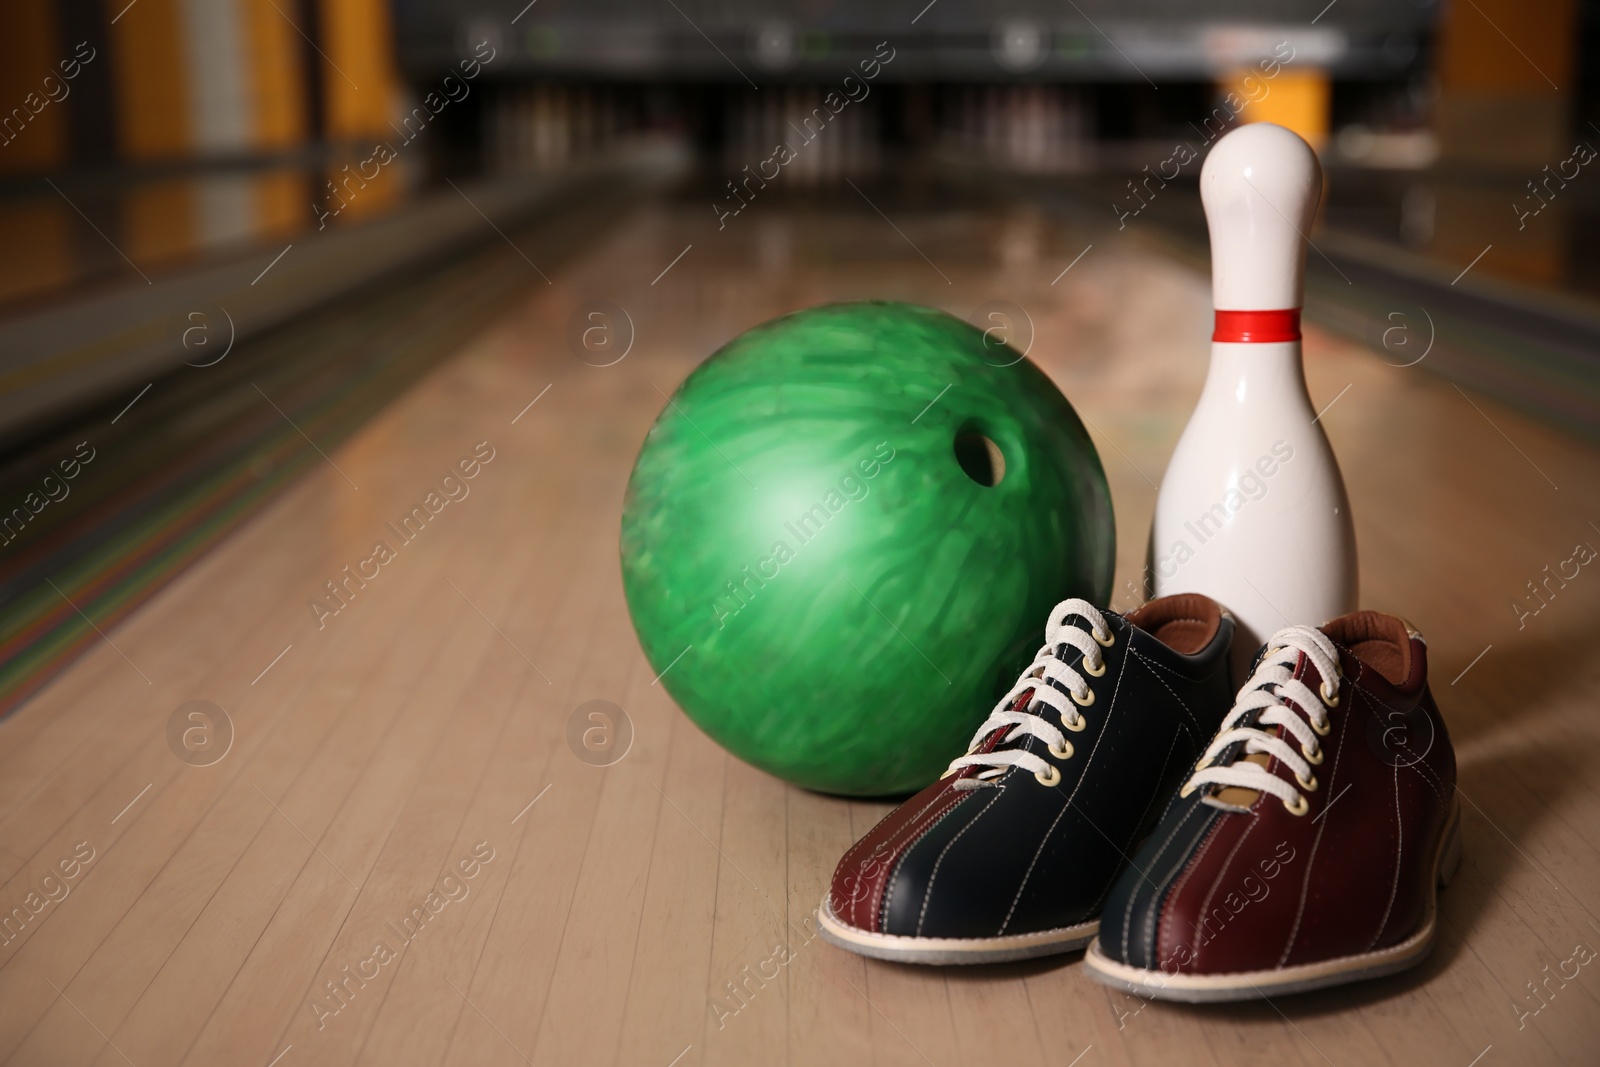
[[1302, 669], [1237, 796], [997, 740]]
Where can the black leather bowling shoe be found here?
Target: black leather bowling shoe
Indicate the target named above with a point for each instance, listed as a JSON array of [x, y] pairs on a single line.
[[1012, 852]]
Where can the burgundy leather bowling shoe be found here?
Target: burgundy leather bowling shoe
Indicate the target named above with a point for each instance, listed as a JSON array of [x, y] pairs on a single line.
[[1306, 848], [1012, 852]]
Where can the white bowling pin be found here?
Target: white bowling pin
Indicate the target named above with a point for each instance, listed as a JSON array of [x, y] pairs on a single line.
[[1252, 511]]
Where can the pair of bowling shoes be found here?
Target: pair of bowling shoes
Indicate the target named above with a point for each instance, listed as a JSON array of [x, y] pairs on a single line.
[[1204, 844]]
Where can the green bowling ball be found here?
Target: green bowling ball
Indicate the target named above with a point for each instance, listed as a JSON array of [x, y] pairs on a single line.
[[843, 534]]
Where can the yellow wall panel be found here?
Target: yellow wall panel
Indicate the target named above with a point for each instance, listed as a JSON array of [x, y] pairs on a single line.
[[1508, 45], [149, 78], [277, 75], [33, 128], [359, 41], [1507, 78], [1297, 99]]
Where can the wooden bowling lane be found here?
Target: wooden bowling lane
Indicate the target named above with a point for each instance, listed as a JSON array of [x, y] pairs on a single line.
[[655, 911]]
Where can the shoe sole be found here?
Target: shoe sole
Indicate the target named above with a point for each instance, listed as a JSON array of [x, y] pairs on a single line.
[[953, 950], [1258, 985]]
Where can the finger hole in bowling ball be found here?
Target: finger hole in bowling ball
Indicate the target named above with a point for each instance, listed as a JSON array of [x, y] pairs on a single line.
[[980, 457]]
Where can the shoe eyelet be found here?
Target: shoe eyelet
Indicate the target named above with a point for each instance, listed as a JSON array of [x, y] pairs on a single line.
[[1321, 731], [1050, 777], [1105, 642], [1299, 807], [1091, 672], [1082, 724], [1084, 701], [1330, 701], [1308, 784], [1064, 752], [1314, 756]]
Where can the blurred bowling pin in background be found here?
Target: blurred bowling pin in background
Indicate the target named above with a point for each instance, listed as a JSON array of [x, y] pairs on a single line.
[[1252, 511]]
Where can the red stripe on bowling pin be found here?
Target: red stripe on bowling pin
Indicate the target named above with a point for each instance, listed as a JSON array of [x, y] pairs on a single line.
[[1257, 327]]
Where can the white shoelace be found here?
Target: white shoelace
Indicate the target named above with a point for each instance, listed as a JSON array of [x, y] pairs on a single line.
[[1052, 682], [1268, 692]]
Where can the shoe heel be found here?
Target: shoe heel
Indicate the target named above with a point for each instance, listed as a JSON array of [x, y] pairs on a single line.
[[1450, 857]]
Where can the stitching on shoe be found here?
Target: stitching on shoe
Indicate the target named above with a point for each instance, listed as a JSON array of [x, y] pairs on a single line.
[[891, 877], [1148, 662], [1205, 905], [933, 875], [908, 827], [1191, 863], [1173, 799], [1399, 861], [1170, 670], [1112, 881], [1311, 860], [1127, 918], [1428, 774], [1433, 780], [1427, 777], [1088, 764], [900, 858], [933, 802]]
